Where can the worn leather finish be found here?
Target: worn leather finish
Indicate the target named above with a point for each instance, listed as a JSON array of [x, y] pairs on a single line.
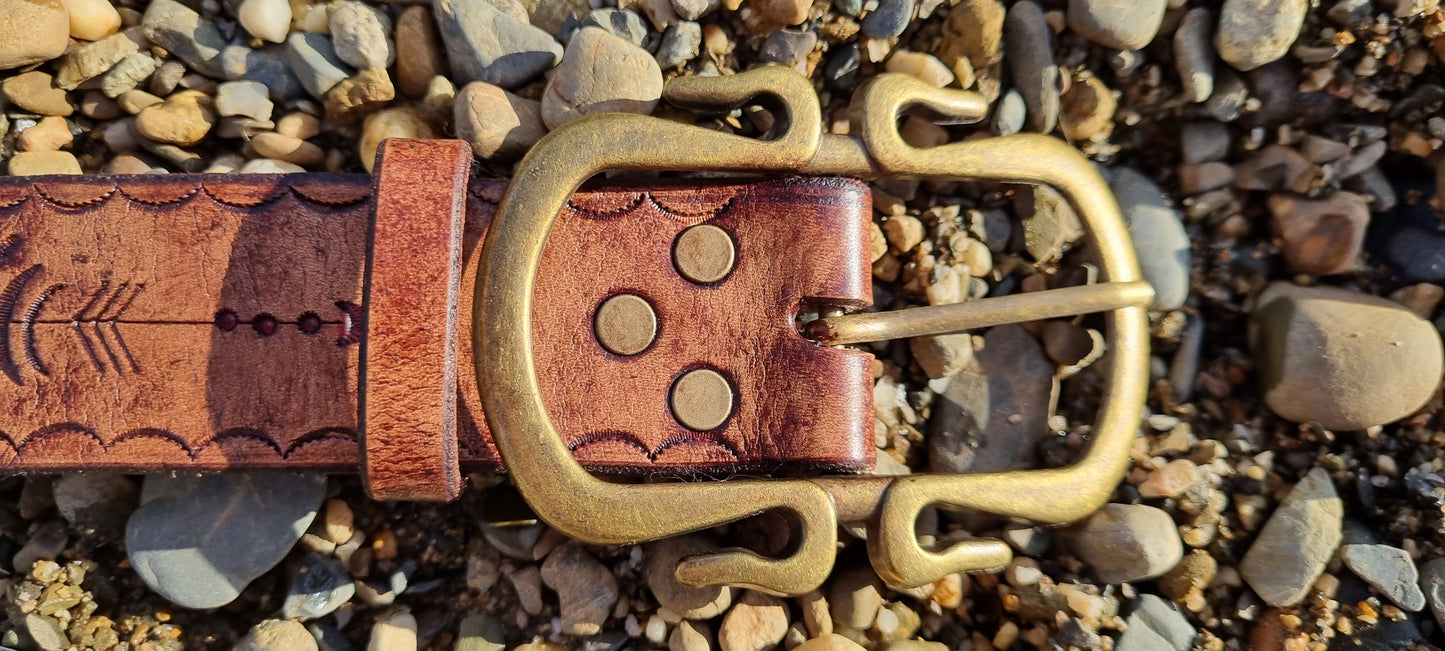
[[207, 323]]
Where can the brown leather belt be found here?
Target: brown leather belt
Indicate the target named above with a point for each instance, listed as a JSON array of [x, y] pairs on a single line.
[[260, 322]]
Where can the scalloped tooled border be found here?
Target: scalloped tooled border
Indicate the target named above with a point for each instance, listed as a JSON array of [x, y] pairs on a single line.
[[72, 429]]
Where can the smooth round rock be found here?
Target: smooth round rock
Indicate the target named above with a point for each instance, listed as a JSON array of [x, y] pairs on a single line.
[[34, 163], [32, 31], [701, 400], [1388, 569], [92, 20], [419, 55], [1255, 32], [277, 635], [1296, 543], [1194, 54], [889, 19], [757, 621], [33, 91], [1118, 25], [685, 600], [182, 119], [704, 253], [481, 632], [484, 43], [497, 124], [1030, 46], [361, 35], [1346, 360], [1157, 230], [248, 98], [292, 150], [314, 62], [601, 73], [400, 122], [585, 588], [625, 324], [1127, 542], [1322, 236], [268, 20]]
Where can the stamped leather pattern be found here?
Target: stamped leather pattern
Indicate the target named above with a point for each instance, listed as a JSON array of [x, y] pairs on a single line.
[[207, 323]]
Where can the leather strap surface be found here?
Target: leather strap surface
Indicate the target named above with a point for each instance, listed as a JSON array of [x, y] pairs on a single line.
[[188, 322]]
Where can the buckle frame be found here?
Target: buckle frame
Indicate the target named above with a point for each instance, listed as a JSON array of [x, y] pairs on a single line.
[[590, 509]]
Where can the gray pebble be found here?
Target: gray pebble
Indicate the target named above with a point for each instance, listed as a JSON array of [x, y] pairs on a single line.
[[169, 74], [1203, 142], [1156, 625], [1009, 114], [186, 34], [198, 541], [270, 65], [92, 60], [1185, 365], [1255, 32], [45, 543], [694, 9], [128, 74], [1374, 183], [314, 62], [552, 15], [1389, 569], [319, 586], [100, 501], [1118, 25], [485, 44], [1226, 104], [1296, 543], [585, 588], [680, 44], [841, 70], [1126, 542], [1194, 54], [328, 638], [1029, 46], [1432, 582], [849, 7], [625, 23], [1158, 234], [361, 35], [888, 20], [788, 46], [995, 410], [45, 633], [481, 632]]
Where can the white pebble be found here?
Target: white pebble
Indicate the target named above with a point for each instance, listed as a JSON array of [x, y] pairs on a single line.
[[269, 166], [248, 98], [268, 20]]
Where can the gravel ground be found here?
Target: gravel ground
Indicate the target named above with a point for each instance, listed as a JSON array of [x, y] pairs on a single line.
[[1276, 161]]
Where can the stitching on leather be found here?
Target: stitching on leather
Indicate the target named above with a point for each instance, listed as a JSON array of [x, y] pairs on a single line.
[[613, 436], [71, 428]]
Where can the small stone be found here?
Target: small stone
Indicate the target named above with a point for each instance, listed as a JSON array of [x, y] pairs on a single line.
[[854, 598], [92, 20], [1122, 543], [1320, 236], [35, 163], [1194, 54], [390, 123], [394, 633], [789, 47], [248, 98], [361, 35], [1296, 543], [1275, 167], [271, 66], [337, 520], [586, 588], [481, 632], [314, 62], [785, 13], [94, 59], [128, 74], [1432, 582], [498, 124], [277, 635], [687, 601], [135, 101], [1193, 574], [690, 636], [995, 411], [268, 20], [485, 44], [1087, 110], [1255, 32], [1203, 142], [1346, 360], [1030, 45], [1389, 570], [97, 106], [419, 55], [319, 586], [942, 356], [48, 540], [830, 642], [198, 541], [816, 616], [1121, 26], [32, 31], [1204, 177], [623, 23], [1169, 480], [680, 44], [100, 501], [46, 633], [1156, 625], [168, 76], [974, 30], [1011, 113], [527, 582], [356, 97], [694, 9], [921, 65], [904, 232], [186, 35], [601, 73], [888, 20], [182, 119], [756, 622], [299, 125], [553, 15], [1158, 233], [33, 91]]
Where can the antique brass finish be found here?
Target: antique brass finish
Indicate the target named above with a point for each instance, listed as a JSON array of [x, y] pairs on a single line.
[[704, 254], [625, 324], [588, 508], [701, 399]]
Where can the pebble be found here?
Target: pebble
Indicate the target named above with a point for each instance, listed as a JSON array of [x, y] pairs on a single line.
[[1117, 25], [1296, 543], [789, 47], [854, 598], [35, 163], [128, 74], [97, 106], [974, 29], [1255, 32], [358, 96], [314, 62], [361, 35], [49, 134], [1194, 54], [299, 125], [942, 356], [784, 13], [1192, 575], [690, 636], [1029, 42], [1156, 625], [485, 44], [757, 621], [995, 410], [186, 35], [135, 101], [680, 43], [1346, 360], [498, 124], [319, 586], [694, 9], [397, 632], [888, 20], [1432, 582], [1157, 230], [1122, 543], [94, 59], [248, 98], [168, 76], [92, 20], [830, 642], [687, 601], [49, 539], [268, 20], [527, 582], [601, 73], [1010, 114], [1204, 177], [101, 501], [586, 588], [271, 66], [1169, 480], [1389, 569], [1203, 142], [182, 119], [1087, 110], [277, 635], [1320, 237], [419, 55], [198, 541], [921, 65], [33, 91], [623, 23], [32, 31], [481, 632]]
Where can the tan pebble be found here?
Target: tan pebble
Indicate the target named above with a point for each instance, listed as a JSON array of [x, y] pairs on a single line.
[[974, 30], [921, 65], [315, 18], [497, 123], [1275, 167], [135, 101], [921, 133], [1320, 237], [127, 164], [34, 91], [182, 119], [687, 601], [971, 253], [829, 642], [34, 163], [339, 521], [1422, 298], [756, 621], [716, 40], [50, 134], [384, 545], [690, 636], [948, 591], [1087, 110], [32, 31], [419, 53], [291, 150], [268, 20], [1169, 480], [586, 589], [390, 123], [358, 96], [904, 232], [815, 613], [782, 12], [600, 73], [394, 633], [1203, 177], [1006, 635], [302, 126], [877, 243], [1193, 574], [92, 20], [854, 598], [96, 105]]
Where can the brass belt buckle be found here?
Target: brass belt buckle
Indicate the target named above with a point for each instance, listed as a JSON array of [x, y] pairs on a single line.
[[590, 509]]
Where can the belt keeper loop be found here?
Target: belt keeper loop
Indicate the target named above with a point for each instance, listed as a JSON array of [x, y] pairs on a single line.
[[407, 384]]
